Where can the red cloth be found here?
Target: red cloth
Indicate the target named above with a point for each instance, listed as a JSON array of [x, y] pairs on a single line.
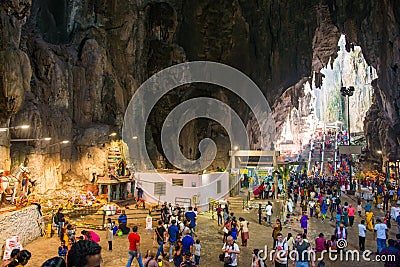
[[134, 239], [94, 237]]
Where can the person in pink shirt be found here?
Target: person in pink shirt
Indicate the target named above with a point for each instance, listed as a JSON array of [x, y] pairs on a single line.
[[352, 211], [91, 235], [320, 243]]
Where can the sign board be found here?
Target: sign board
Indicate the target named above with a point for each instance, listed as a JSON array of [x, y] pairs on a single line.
[[349, 149], [263, 172]]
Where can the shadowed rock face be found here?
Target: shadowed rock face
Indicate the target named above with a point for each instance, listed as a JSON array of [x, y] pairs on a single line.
[[86, 59]]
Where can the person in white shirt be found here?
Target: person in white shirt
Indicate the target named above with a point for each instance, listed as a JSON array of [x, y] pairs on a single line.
[[197, 249], [281, 252], [311, 205], [231, 250], [268, 211], [361, 235], [380, 231]]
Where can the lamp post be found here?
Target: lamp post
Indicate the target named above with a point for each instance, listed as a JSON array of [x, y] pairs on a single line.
[[347, 92]]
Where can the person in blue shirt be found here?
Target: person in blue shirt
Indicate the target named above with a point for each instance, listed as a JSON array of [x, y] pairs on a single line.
[[173, 232], [122, 219], [191, 216], [62, 250], [187, 242]]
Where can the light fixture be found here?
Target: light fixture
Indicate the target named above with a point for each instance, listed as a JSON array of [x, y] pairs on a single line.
[[46, 138], [134, 137], [235, 148], [113, 134], [379, 151], [64, 142], [23, 127]]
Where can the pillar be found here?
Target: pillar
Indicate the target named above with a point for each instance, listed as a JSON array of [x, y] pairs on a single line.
[[109, 192], [117, 193]]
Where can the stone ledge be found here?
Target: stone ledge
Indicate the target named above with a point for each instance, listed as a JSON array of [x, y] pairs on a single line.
[[23, 223]]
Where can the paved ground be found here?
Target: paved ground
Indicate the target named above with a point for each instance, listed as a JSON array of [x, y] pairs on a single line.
[[210, 235]]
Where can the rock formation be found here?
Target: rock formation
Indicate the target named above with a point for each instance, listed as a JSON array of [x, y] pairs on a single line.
[[87, 58]]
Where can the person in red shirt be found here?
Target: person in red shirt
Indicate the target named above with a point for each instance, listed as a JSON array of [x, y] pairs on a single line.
[[134, 247]]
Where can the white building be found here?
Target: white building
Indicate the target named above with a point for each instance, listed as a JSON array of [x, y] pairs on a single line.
[[183, 189]]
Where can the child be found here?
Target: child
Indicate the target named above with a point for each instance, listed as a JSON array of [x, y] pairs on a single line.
[[234, 231], [197, 249], [62, 250], [109, 226], [71, 234]]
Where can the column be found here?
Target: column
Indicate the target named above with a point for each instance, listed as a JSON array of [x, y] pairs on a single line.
[[109, 192], [117, 194]]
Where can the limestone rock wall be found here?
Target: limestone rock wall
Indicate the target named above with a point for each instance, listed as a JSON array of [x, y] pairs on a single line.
[[22, 223], [87, 58]]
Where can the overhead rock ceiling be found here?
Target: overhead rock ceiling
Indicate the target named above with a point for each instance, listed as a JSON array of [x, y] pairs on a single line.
[[69, 68]]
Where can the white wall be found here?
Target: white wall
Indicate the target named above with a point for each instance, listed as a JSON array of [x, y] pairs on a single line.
[[206, 186]]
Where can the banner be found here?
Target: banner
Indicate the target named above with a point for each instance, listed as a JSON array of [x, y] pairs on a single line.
[[11, 243]]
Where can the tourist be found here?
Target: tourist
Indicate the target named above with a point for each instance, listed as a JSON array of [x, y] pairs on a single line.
[[391, 250], [109, 226], [341, 232], [386, 220], [324, 209], [290, 241], [159, 238], [13, 256], [21, 259], [231, 250], [91, 235], [362, 230], [359, 207], [244, 231], [226, 213], [62, 250], [380, 235], [320, 243], [59, 220], [234, 230], [226, 230], [219, 214], [191, 216], [187, 242], [84, 253], [122, 219], [345, 215], [268, 213], [311, 205], [351, 211], [369, 215], [277, 228], [149, 259], [54, 262], [332, 244], [302, 257], [398, 223], [304, 223], [177, 257], [281, 252], [196, 253], [368, 206], [173, 232], [256, 260], [134, 247], [71, 234], [187, 261]]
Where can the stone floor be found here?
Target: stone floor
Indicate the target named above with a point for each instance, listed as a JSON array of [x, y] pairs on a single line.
[[210, 235]]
